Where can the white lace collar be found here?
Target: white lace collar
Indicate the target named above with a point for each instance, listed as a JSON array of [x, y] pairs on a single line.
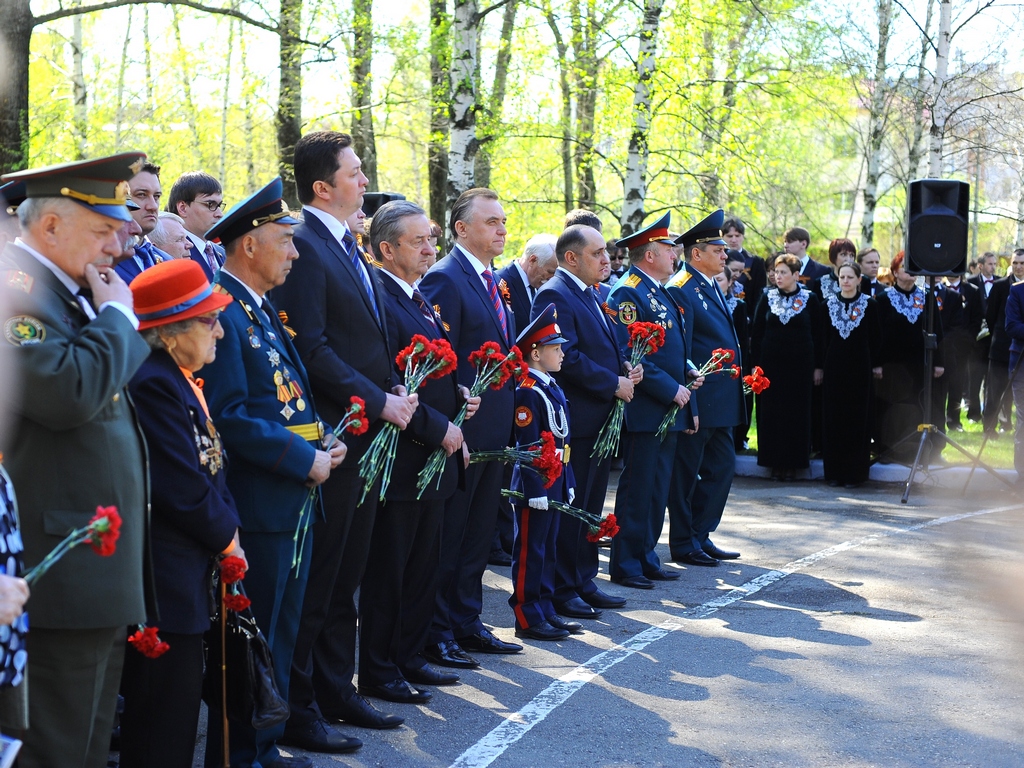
[[847, 316], [909, 306], [787, 307]]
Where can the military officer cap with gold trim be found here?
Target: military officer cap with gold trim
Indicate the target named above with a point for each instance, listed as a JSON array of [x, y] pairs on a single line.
[[708, 231], [101, 185], [656, 232], [261, 207], [12, 194], [541, 332]]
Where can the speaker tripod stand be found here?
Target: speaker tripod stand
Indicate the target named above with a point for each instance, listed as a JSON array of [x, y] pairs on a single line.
[[926, 430]]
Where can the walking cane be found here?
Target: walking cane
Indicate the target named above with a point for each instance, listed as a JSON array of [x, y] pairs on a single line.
[[224, 675]]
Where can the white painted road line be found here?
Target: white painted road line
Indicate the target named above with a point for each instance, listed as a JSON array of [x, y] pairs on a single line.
[[518, 724]]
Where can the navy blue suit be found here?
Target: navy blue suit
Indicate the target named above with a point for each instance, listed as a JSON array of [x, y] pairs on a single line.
[[396, 600], [200, 258], [644, 483], [812, 270], [706, 461], [193, 519], [457, 292], [589, 377], [129, 269], [1015, 330], [267, 476], [518, 293], [345, 348]]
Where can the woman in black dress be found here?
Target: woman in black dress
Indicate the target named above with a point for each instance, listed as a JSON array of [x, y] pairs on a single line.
[[903, 311], [852, 340], [840, 252], [783, 341]]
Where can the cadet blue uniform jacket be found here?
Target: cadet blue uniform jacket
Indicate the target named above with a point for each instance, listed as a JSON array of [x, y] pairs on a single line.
[[531, 419]]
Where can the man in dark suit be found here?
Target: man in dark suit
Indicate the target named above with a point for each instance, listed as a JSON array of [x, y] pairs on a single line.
[[75, 445], [647, 459], [197, 198], [978, 356], [1015, 330], [333, 302], [961, 314], [870, 261], [705, 461], [525, 276], [258, 394], [464, 291], [396, 601], [594, 373], [798, 240], [754, 277], [997, 407], [144, 206]]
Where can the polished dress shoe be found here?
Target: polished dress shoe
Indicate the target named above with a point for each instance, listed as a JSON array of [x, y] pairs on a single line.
[[599, 599], [719, 554], [636, 582], [662, 575], [317, 736], [484, 641], [448, 653], [577, 609], [358, 711], [500, 558], [295, 761], [696, 558], [542, 631], [429, 676], [398, 691], [572, 627]]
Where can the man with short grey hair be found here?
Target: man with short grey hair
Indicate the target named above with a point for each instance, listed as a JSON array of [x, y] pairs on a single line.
[[170, 235], [524, 276]]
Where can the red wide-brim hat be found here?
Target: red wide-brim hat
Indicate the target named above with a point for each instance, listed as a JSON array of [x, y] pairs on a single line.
[[174, 290]]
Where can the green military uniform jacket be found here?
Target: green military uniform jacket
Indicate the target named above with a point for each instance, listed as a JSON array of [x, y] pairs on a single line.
[[74, 445]]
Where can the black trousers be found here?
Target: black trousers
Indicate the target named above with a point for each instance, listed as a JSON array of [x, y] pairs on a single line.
[[161, 704], [324, 661], [702, 475], [995, 385], [576, 562], [396, 600]]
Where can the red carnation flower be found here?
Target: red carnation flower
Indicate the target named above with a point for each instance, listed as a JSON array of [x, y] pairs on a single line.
[[734, 372], [547, 463], [236, 602], [232, 569], [146, 641], [485, 354], [609, 527], [446, 359], [514, 367], [105, 528], [649, 337]]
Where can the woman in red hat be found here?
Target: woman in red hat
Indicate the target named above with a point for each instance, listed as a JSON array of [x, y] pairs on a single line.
[[193, 521]]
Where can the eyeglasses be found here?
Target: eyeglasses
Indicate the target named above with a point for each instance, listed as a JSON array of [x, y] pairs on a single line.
[[212, 205], [209, 322]]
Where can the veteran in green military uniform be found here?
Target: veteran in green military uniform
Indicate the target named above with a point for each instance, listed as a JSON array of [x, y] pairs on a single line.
[[70, 334]]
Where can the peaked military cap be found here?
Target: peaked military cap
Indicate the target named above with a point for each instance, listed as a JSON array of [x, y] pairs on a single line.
[[708, 231], [543, 330], [100, 185], [131, 205], [656, 232], [261, 207], [12, 195], [372, 201]]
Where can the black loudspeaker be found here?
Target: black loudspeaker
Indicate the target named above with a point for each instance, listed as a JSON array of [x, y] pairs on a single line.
[[372, 201], [937, 211]]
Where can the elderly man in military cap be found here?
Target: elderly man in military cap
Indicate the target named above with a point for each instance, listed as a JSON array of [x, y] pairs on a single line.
[[647, 459], [259, 397], [705, 461], [70, 331]]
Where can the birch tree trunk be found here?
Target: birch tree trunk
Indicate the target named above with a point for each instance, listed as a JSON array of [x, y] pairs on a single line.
[[80, 93], [462, 141], [289, 100], [877, 118], [635, 184], [363, 142], [437, 148], [916, 150], [940, 109]]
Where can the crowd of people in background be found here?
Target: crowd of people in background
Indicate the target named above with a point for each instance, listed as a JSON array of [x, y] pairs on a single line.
[[188, 365]]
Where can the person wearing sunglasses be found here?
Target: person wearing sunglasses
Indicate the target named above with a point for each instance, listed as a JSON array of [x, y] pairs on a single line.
[[198, 199], [619, 262]]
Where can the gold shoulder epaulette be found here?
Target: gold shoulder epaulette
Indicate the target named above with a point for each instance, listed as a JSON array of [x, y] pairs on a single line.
[[632, 281], [18, 280], [681, 280]]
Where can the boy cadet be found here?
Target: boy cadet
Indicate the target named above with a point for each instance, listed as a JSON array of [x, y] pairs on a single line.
[[540, 407]]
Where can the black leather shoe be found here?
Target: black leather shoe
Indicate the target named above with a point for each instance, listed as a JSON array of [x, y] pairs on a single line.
[[636, 582], [719, 554], [448, 653], [317, 737], [500, 558], [542, 631], [297, 761], [484, 641], [696, 558], [599, 599], [662, 575], [398, 691], [430, 676], [577, 609], [358, 711], [572, 627]]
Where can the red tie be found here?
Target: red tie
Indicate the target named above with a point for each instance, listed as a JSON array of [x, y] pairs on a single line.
[[492, 289]]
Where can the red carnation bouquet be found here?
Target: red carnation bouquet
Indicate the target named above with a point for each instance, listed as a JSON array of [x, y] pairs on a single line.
[[598, 527], [354, 422], [101, 533], [146, 641], [232, 571], [423, 359], [644, 339], [756, 382], [541, 455], [494, 368], [716, 364]]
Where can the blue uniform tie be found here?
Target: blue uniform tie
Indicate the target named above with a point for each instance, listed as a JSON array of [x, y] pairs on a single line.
[[349, 244]]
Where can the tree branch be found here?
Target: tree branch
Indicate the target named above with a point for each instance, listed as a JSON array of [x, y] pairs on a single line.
[[496, 6]]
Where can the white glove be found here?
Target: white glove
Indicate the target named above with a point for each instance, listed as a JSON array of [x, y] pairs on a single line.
[[541, 502], [572, 494]]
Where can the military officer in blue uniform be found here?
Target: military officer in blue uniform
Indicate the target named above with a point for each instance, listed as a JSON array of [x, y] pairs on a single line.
[[647, 460], [259, 399], [705, 461]]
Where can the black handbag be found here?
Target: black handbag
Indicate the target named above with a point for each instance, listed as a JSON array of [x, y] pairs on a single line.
[[252, 694]]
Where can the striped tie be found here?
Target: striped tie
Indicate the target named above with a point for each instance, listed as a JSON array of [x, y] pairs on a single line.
[[492, 290], [349, 244], [211, 257], [422, 304]]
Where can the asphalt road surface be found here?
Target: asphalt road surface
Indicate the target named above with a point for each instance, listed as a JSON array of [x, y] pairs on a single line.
[[854, 631]]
